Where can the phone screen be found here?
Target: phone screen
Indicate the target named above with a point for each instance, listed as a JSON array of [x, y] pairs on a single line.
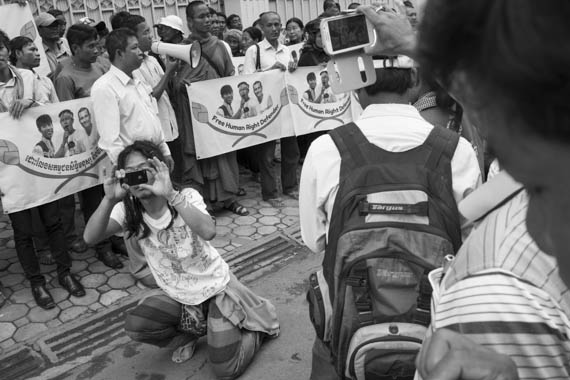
[[347, 32], [135, 178]]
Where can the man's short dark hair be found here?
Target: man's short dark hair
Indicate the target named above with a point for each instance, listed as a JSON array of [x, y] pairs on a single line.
[[4, 40], [18, 44], [132, 22], [254, 33], [329, 4], [55, 12], [230, 18], [118, 19], [226, 89], [240, 83], [311, 76], [118, 40], [78, 34], [43, 120], [191, 7], [65, 112], [258, 82], [84, 109], [391, 80]]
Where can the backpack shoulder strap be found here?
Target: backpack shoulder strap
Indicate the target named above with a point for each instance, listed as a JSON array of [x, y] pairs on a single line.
[[442, 142], [350, 142]]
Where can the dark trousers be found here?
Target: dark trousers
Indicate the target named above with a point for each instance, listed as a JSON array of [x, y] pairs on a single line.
[[23, 239], [66, 209], [322, 367], [289, 164], [175, 147], [90, 200]]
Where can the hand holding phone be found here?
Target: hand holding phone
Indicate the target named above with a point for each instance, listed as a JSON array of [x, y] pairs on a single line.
[[135, 178], [345, 33]]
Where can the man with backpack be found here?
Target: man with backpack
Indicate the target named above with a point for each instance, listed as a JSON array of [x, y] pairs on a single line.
[[379, 197]]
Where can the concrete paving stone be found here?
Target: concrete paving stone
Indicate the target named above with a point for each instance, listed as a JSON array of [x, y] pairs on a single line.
[[241, 241], [281, 226], [37, 314], [72, 313], [221, 251], [95, 306], [65, 304], [97, 267], [245, 220], [232, 226], [94, 280], [12, 312], [29, 331], [59, 295], [289, 202], [4, 234], [104, 288], [112, 296], [21, 322], [22, 296], [4, 264], [10, 244], [121, 281], [82, 274], [13, 260], [91, 260], [266, 230], [15, 268], [6, 330], [9, 253], [245, 230], [53, 323], [219, 242], [290, 220], [257, 224], [256, 236], [18, 287], [290, 211], [79, 265], [223, 221], [111, 273], [81, 256], [6, 344], [267, 211], [91, 295], [269, 220], [223, 230]]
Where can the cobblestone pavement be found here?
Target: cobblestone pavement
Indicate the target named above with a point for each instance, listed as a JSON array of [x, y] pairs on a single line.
[[22, 320]]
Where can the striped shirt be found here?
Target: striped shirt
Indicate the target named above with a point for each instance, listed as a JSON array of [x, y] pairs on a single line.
[[503, 292]]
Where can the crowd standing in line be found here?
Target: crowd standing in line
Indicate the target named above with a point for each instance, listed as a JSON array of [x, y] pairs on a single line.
[[500, 309]]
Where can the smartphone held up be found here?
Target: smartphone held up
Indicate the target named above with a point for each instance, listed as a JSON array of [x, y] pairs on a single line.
[[135, 178], [346, 33]]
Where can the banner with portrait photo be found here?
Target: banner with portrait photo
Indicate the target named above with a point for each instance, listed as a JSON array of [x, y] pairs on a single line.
[[236, 112], [49, 153], [17, 20], [315, 107]]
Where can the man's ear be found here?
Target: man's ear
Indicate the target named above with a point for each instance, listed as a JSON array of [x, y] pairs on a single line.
[[415, 76]]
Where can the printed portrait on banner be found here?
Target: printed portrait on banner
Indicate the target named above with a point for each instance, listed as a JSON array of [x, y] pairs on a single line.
[[49, 153]]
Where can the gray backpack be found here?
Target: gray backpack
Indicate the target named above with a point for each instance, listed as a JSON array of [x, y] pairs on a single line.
[[394, 220]]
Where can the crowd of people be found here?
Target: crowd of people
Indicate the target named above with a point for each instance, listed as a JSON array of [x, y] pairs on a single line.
[[502, 307]]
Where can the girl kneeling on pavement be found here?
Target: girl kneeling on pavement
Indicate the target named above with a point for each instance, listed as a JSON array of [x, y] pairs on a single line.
[[199, 295]]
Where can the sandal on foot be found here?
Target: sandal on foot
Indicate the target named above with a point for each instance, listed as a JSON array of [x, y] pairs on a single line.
[[238, 209], [184, 353], [275, 202], [46, 258], [241, 192]]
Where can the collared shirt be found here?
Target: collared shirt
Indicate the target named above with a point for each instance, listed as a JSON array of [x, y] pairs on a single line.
[[39, 149], [268, 55], [44, 90], [151, 73], [125, 111], [8, 90], [392, 127], [504, 293], [54, 56]]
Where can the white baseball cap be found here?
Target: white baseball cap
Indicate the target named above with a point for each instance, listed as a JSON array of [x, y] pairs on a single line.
[[172, 21]]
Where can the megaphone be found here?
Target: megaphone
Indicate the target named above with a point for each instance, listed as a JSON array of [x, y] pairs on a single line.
[[188, 53]]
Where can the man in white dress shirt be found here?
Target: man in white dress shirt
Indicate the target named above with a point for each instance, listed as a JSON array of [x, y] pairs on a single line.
[[124, 108]]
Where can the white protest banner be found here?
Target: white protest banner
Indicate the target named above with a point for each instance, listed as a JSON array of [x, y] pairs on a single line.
[[313, 104], [236, 112], [40, 161], [17, 20]]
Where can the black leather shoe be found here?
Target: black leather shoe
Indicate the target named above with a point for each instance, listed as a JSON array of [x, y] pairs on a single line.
[[72, 285], [79, 246], [110, 259], [42, 297], [118, 246]]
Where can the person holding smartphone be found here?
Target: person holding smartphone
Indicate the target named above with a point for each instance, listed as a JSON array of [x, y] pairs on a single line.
[[200, 293]]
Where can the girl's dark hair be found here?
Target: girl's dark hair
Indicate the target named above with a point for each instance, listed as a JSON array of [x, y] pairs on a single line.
[[296, 21], [133, 206], [17, 44], [254, 33], [510, 51]]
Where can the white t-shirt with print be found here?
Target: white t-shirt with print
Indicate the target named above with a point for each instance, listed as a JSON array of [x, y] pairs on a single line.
[[189, 269]]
